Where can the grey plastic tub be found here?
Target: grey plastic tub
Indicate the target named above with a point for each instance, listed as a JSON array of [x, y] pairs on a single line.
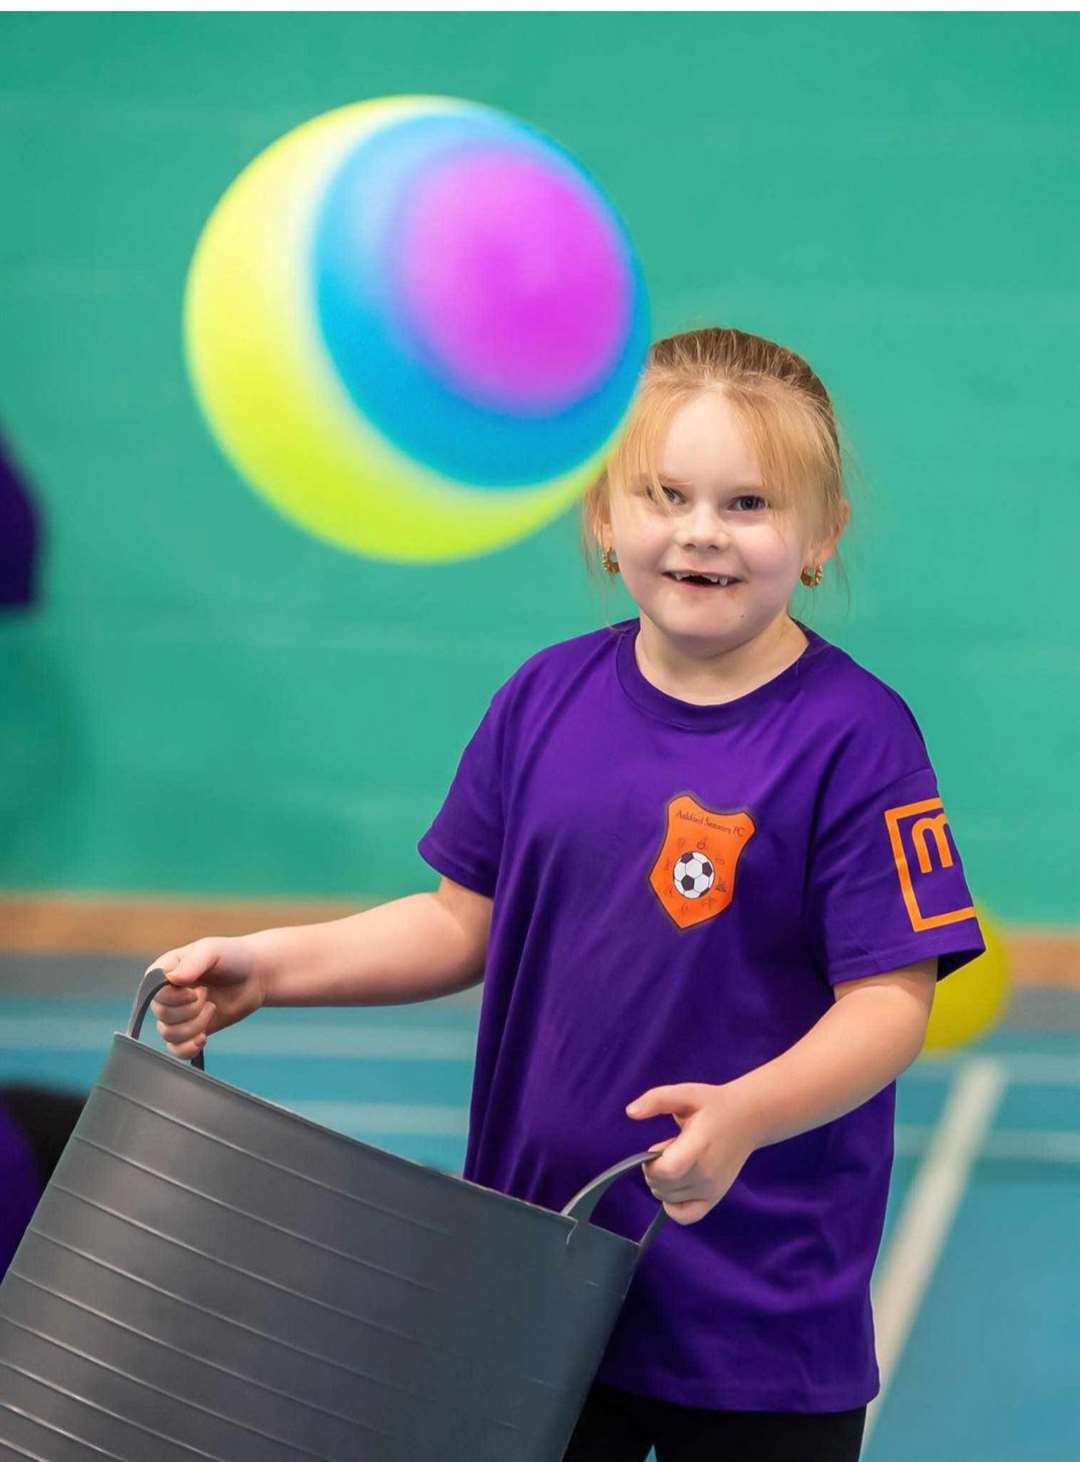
[[210, 1276]]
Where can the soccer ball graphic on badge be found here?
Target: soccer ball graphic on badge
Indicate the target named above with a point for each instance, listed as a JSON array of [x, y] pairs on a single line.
[[694, 875]]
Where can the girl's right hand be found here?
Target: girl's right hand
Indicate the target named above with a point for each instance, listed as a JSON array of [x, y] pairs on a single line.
[[213, 983]]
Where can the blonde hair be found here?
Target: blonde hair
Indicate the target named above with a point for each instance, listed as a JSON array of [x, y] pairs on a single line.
[[782, 407]]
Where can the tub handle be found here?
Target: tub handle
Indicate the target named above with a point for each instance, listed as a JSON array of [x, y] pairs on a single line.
[[153, 981], [583, 1202]]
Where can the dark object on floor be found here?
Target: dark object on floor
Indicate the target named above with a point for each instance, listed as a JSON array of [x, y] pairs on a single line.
[[35, 1124]]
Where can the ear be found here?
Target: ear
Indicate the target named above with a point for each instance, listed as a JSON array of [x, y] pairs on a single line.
[[824, 550]]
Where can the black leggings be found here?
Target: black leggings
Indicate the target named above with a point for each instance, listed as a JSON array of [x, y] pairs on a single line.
[[616, 1426]]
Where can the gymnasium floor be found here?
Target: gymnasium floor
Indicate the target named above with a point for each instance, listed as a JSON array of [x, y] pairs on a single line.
[[977, 1288]]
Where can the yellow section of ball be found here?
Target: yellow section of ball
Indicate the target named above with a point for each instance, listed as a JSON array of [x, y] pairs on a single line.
[[970, 1002], [270, 394]]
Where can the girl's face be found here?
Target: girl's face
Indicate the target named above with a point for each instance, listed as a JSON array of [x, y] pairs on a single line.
[[720, 523]]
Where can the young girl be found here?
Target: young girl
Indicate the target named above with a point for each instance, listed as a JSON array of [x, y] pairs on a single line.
[[700, 862]]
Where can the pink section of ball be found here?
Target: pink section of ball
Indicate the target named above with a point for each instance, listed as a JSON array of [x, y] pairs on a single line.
[[515, 280]]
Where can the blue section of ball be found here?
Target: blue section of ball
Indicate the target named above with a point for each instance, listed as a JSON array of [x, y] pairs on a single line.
[[381, 363]]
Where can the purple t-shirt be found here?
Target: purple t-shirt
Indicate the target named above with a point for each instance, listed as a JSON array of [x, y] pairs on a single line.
[[676, 889]]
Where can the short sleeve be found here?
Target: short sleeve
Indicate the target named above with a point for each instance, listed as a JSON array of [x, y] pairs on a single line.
[[885, 885], [465, 840]]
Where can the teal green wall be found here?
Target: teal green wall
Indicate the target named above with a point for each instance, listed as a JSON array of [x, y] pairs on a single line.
[[206, 700]]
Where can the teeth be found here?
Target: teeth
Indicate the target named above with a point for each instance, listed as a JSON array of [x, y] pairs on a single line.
[[713, 578]]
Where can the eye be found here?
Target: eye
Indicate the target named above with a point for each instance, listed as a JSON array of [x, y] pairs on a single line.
[[755, 500]]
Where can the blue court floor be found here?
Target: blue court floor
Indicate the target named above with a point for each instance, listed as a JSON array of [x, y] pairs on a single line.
[[977, 1290]]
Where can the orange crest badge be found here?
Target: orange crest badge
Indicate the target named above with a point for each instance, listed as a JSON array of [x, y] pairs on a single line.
[[694, 873]]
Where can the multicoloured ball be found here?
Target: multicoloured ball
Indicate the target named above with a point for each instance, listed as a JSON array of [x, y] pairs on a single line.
[[416, 325]]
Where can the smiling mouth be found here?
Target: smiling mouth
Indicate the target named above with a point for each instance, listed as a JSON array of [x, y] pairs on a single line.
[[704, 581]]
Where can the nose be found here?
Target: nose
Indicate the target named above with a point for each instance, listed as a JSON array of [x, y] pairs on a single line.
[[702, 527]]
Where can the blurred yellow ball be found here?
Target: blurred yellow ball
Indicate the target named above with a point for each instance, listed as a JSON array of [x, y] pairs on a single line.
[[970, 1002]]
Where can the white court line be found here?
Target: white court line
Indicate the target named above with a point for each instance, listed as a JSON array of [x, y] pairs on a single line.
[[1025, 1068], [342, 1041], [1014, 1144], [926, 1218], [328, 1042]]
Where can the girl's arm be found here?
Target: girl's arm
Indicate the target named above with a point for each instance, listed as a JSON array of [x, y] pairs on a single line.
[[873, 1032]]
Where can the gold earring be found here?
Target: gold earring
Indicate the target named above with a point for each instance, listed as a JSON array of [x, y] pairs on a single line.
[[609, 561], [811, 583]]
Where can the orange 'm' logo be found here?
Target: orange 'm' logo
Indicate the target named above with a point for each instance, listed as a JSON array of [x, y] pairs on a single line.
[[926, 835], [694, 873]]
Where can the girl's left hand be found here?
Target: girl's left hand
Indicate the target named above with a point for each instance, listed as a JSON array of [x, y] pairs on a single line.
[[700, 1165]]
